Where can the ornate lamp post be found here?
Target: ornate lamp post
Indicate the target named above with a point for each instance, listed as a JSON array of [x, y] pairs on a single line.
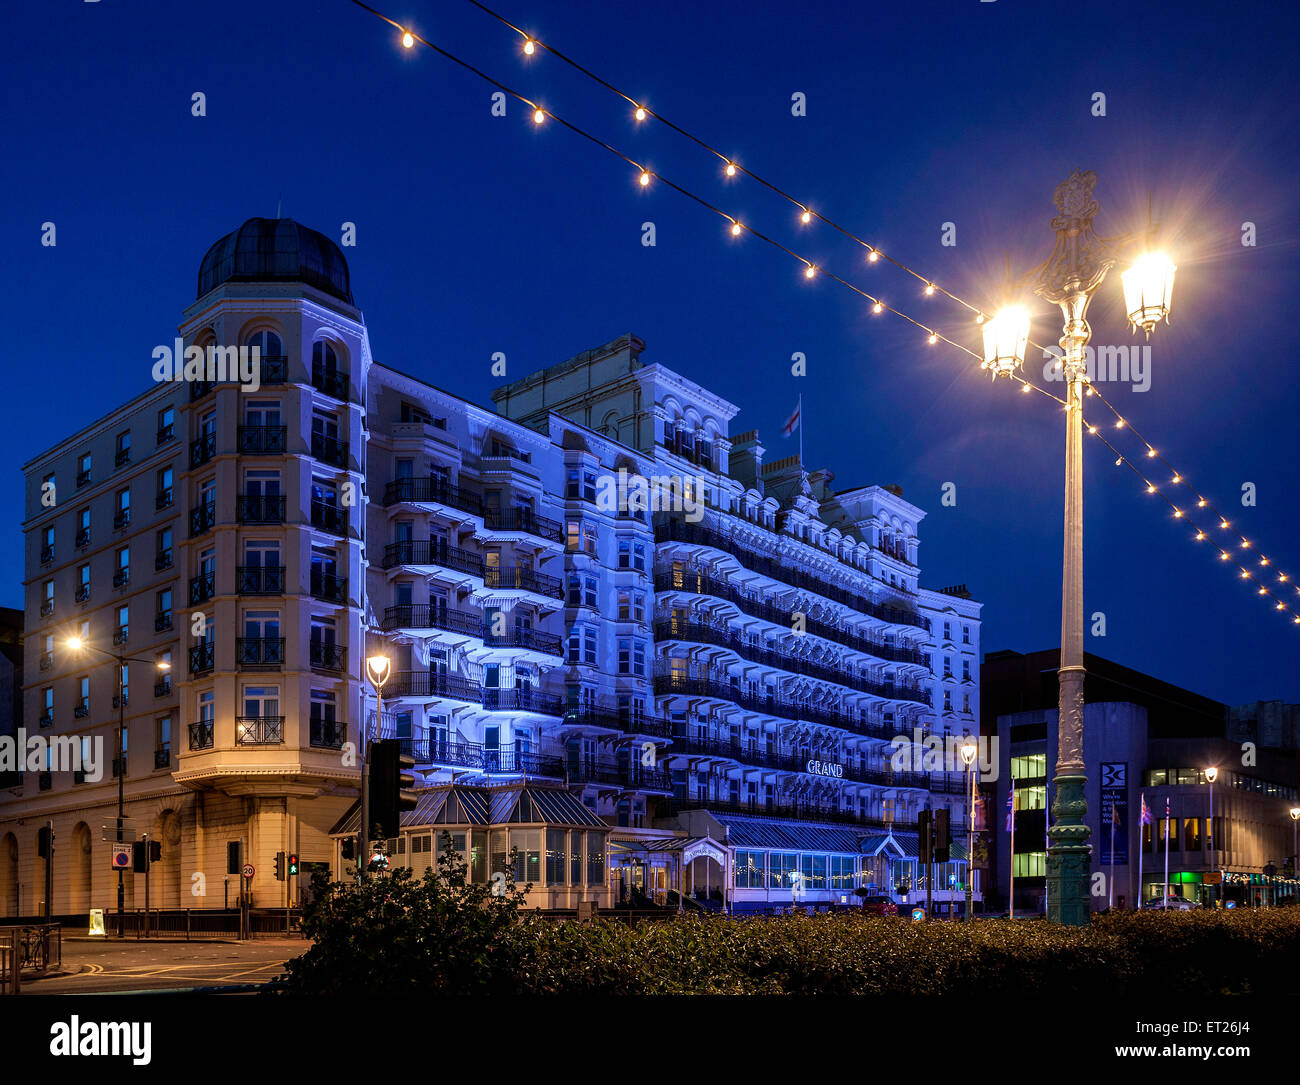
[[968, 752], [378, 668], [77, 644], [1070, 277], [1295, 842]]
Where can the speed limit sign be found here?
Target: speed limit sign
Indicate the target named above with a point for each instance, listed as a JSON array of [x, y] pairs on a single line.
[[248, 870]]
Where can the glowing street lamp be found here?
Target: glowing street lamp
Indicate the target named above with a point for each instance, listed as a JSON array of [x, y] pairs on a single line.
[[1005, 338], [1212, 774], [379, 669], [1148, 290]]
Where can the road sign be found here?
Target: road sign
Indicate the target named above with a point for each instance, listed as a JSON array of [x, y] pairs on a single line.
[[1214, 877], [918, 914], [248, 870], [121, 857]]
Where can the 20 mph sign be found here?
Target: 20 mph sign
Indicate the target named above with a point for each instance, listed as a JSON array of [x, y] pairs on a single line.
[[248, 870]]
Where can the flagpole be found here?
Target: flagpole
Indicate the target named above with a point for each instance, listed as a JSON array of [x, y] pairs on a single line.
[[1165, 890], [1011, 817], [800, 431]]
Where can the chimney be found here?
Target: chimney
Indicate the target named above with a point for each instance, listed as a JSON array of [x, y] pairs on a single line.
[[745, 460]]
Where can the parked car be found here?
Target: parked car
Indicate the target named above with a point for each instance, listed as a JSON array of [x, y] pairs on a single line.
[[879, 905], [1178, 904]]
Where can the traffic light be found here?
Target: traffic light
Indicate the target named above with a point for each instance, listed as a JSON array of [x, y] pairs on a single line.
[[155, 851], [279, 866], [924, 831], [391, 785], [942, 835], [293, 865], [44, 841], [140, 856], [234, 861]]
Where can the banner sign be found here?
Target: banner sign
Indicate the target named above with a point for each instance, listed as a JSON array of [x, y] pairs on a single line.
[[1114, 808]]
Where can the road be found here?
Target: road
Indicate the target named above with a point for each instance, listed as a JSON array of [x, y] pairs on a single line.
[[105, 965]]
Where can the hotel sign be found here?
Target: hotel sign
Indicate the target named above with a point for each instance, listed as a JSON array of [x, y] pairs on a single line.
[[825, 768]]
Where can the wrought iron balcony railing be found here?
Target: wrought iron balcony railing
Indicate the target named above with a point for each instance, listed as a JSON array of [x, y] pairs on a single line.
[[328, 734], [263, 440], [202, 518], [259, 730], [328, 657], [202, 449], [433, 491], [259, 651], [201, 734], [333, 589], [329, 518], [259, 579], [425, 552], [259, 508], [202, 657], [329, 450]]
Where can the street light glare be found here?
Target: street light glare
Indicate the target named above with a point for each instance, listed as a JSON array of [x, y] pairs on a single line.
[[377, 667], [968, 752], [1005, 338], [1149, 290], [75, 643]]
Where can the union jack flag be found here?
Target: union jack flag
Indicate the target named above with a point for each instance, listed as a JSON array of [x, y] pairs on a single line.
[[1011, 808], [1146, 810]]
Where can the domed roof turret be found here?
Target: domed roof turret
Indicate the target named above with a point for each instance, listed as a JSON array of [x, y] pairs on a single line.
[[276, 250]]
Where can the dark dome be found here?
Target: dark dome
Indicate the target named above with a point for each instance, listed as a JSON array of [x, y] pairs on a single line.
[[276, 250]]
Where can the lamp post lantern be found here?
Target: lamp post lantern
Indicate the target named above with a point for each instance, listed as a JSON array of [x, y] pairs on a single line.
[[1070, 277], [1295, 842]]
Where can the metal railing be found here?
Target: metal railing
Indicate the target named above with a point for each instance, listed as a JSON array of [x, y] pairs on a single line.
[[259, 730], [425, 552]]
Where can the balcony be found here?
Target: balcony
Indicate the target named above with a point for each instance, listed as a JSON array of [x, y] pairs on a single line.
[[202, 518], [632, 775], [162, 757], [432, 684], [329, 518], [47, 608], [82, 710], [47, 719], [532, 639], [630, 723], [472, 755], [162, 560], [166, 433], [163, 686], [330, 382], [328, 657], [162, 622], [202, 657], [83, 479], [263, 440], [259, 508], [275, 369], [328, 734], [332, 589], [122, 577], [425, 616], [47, 660], [121, 519], [202, 588], [122, 457], [521, 578], [523, 520], [329, 450], [82, 538], [164, 500], [425, 552], [259, 651], [201, 735], [433, 491], [122, 635], [82, 594], [202, 449], [259, 730], [671, 529], [698, 582], [259, 579], [721, 636], [47, 555], [521, 699], [794, 761]]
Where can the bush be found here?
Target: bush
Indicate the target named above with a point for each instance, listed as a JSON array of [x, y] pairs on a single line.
[[440, 934]]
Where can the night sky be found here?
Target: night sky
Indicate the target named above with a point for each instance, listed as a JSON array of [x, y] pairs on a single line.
[[479, 234]]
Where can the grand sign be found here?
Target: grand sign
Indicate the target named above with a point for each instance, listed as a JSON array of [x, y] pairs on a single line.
[[825, 768]]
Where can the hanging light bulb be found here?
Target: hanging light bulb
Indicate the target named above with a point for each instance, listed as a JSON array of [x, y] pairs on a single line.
[[809, 272], [408, 39], [1200, 535], [640, 113], [1005, 337], [806, 217], [529, 47], [736, 228], [933, 338], [645, 178], [878, 308], [929, 289], [731, 169], [538, 116], [873, 256]]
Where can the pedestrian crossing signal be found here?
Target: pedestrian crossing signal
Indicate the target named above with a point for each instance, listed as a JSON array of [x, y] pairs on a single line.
[[293, 865]]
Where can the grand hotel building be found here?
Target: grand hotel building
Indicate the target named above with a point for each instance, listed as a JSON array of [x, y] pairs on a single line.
[[698, 694]]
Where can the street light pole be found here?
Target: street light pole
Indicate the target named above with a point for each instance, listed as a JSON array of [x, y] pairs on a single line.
[[1070, 277], [1211, 774], [378, 667], [968, 752]]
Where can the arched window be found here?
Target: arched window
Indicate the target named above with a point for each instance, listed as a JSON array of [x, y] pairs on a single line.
[[268, 343], [323, 357]]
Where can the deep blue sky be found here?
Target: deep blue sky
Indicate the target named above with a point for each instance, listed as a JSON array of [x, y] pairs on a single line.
[[479, 234]]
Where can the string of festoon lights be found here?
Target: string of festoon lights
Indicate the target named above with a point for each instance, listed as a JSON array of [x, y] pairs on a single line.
[[731, 169]]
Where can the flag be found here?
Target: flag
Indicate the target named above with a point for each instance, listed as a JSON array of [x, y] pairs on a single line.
[[979, 812], [1146, 810], [1011, 809], [792, 423]]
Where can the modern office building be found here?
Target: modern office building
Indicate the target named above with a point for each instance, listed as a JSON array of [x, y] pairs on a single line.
[[1144, 739], [623, 646]]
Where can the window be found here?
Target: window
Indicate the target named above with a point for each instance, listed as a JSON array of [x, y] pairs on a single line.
[[947, 631], [83, 469], [1031, 864], [166, 490], [631, 554], [166, 424], [163, 749], [947, 700], [749, 870], [163, 549], [590, 539], [83, 583], [575, 857], [781, 865], [965, 634], [83, 527], [123, 453], [83, 697], [122, 574], [572, 535], [555, 849], [624, 655], [47, 702], [1191, 834], [595, 858], [123, 625], [163, 610]]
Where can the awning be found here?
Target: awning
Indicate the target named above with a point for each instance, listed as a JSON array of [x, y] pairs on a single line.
[[777, 835], [464, 804]]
